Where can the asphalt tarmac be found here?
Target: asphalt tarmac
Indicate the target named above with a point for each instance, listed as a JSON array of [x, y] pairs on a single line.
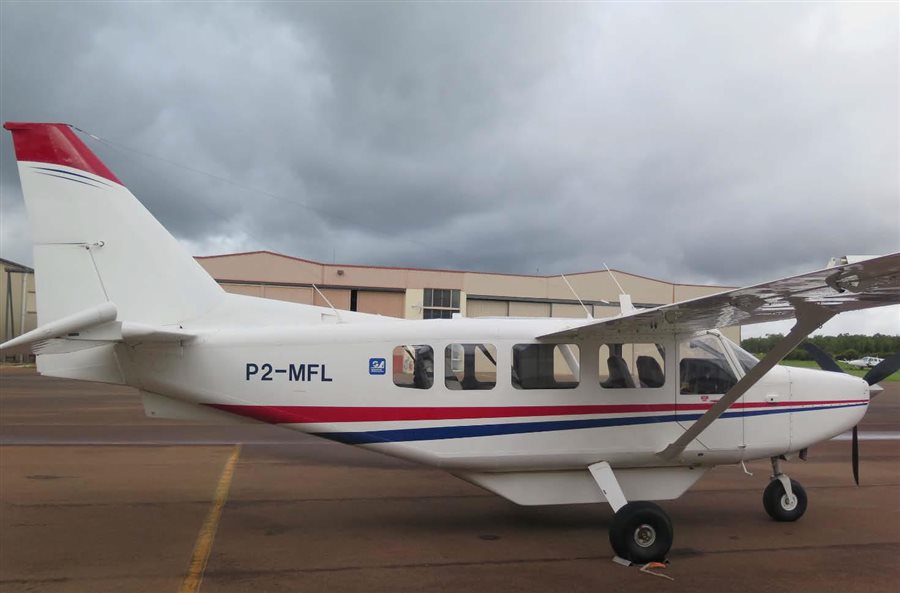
[[94, 497]]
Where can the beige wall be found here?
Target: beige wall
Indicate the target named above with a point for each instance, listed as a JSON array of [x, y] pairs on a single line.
[[603, 311], [361, 276], [368, 301], [254, 290], [412, 303], [262, 267], [593, 286], [684, 292], [529, 309], [292, 294], [501, 285], [275, 273], [487, 308], [339, 298], [272, 268], [380, 303], [568, 310], [268, 267]]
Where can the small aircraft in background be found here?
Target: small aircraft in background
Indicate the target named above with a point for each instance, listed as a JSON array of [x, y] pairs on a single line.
[[866, 362], [625, 410]]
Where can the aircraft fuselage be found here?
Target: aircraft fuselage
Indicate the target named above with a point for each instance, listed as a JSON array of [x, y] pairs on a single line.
[[340, 381]]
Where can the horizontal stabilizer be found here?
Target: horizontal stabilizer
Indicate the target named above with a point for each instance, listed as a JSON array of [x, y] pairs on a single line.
[[90, 328], [65, 326]]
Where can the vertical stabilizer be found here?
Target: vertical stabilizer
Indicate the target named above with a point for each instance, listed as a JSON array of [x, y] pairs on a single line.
[[95, 243]]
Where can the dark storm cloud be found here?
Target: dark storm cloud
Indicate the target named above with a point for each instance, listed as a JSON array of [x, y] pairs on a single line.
[[696, 142]]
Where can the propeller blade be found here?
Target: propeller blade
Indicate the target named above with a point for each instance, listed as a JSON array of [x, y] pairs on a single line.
[[883, 369], [825, 362], [854, 455]]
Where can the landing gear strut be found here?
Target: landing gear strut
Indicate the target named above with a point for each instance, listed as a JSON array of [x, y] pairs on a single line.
[[641, 531], [784, 499]]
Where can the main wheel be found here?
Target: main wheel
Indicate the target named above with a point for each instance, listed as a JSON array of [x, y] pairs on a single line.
[[781, 507], [641, 532]]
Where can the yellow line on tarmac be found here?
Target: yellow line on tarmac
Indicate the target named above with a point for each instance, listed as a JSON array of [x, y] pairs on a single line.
[[203, 547]]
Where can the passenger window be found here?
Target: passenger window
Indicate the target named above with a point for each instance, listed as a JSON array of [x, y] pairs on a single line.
[[545, 366], [414, 366], [703, 367], [632, 366], [470, 366]]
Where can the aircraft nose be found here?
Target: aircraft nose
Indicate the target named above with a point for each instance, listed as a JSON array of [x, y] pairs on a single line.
[[867, 390]]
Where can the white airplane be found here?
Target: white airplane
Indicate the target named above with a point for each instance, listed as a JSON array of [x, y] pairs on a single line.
[[625, 410], [866, 362]]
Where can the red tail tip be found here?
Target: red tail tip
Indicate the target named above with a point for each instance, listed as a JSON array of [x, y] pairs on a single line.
[[55, 144]]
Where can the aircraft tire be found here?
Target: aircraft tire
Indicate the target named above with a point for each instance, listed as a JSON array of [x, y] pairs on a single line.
[[779, 507], [641, 532]]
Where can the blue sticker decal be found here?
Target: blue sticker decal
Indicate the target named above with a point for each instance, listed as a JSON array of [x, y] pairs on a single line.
[[377, 366]]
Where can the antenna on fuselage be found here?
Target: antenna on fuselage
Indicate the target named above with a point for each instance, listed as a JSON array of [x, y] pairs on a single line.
[[325, 298], [625, 305], [580, 302]]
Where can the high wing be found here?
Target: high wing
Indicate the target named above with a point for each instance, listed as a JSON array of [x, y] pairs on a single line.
[[811, 299], [871, 283]]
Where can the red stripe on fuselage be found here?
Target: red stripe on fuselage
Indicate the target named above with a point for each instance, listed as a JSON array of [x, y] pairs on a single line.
[[55, 144], [325, 414]]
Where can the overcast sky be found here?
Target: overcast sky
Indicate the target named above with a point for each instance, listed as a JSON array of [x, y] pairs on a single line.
[[703, 143]]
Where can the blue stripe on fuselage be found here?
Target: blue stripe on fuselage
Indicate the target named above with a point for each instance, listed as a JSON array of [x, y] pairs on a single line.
[[487, 430]]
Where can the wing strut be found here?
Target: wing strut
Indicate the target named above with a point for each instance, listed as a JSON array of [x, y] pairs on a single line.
[[810, 317]]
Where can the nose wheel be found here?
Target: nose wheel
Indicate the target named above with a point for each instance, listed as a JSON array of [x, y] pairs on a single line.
[[784, 499]]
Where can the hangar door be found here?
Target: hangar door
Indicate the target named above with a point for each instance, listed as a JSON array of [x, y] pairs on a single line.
[[476, 308]]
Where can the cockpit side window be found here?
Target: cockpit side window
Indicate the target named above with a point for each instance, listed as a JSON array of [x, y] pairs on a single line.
[[703, 367]]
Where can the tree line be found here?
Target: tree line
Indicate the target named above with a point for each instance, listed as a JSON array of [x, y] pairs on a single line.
[[842, 347]]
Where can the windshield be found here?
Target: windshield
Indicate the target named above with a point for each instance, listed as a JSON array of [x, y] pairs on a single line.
[[745, 359]]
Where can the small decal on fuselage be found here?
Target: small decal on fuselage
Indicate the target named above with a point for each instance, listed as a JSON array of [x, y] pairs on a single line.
[[304, 371], [377, 366]]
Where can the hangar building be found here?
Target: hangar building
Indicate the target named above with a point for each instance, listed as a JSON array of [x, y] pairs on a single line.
[[414, 293], [410, 293]]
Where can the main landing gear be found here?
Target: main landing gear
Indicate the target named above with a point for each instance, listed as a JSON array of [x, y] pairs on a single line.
[[784, 499], [641, 531]]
